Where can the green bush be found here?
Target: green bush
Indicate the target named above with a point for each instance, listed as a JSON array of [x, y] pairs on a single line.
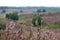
[[2, 26], [3, 11], [33, 20], [38, 19], [21, 11], [7, 16], [12, 16], [39, 10], [44, 10]]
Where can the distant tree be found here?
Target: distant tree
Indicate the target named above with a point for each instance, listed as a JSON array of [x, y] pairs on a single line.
[[3, 11], [38, 11], [44, 10], [7, 16], [21, 11]]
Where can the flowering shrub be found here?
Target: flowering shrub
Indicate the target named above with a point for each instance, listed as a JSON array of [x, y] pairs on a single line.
[[23, 34]]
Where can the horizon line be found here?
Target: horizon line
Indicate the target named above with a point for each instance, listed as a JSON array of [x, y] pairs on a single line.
[[29, 6]]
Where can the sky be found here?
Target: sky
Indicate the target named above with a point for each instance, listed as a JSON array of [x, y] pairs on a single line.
[[18, 3]]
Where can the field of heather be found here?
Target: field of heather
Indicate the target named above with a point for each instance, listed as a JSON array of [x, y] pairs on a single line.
[[24, 30], [15, 31]]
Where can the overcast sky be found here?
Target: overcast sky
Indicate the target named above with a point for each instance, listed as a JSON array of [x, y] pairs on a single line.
[[17, 3]]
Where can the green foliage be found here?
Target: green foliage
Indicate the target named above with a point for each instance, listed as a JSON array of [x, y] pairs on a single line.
[[2, 26], [44, 10], [7, 16], [38, 19], [33, 20], [13, 16], [38, 11], [3, 11], [21, 11]]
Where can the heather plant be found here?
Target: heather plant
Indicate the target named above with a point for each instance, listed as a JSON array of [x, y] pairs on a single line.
[[47, 35], [9, 34], [31, 34]]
